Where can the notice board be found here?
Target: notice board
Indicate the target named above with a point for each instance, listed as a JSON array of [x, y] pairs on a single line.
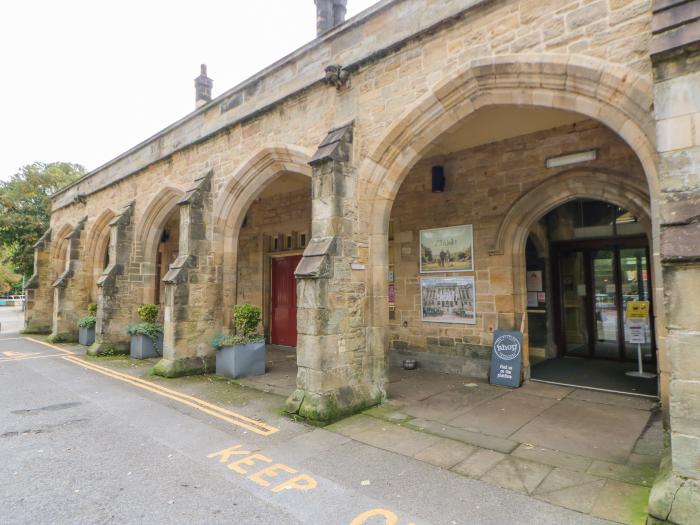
[[506, 358]]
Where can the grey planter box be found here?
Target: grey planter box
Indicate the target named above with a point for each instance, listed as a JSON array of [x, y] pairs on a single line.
[[241, 360], [142, 347], [86, 336]]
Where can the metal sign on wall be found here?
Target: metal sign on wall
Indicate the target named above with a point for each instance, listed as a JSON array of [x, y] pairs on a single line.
[[506, 358]]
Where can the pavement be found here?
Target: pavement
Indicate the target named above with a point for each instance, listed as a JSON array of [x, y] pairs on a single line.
[[87, 440]]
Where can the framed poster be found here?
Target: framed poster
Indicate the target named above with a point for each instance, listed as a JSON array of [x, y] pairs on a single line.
[[448, 249], [448, 300]]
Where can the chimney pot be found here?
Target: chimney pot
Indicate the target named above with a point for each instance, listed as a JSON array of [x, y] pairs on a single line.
[[202, 85], [329, 14]]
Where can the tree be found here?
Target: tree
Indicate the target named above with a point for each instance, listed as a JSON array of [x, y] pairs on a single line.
[[9, 280], [25, 208]]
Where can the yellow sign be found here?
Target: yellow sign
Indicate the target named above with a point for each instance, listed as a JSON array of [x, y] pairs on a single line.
[[637, 309]]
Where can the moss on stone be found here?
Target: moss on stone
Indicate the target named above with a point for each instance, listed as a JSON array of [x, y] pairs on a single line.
[[171, 368], [104, 349], [62, 337]]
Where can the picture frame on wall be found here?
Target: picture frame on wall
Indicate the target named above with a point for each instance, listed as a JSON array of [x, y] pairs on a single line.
[[449, 249], [448, 299]]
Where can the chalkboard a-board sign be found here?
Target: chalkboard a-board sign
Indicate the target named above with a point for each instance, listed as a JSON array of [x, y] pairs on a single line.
[[506, 358]]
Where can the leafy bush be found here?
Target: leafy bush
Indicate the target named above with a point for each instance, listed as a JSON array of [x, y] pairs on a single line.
[[92, 309], [148, 313], [246, 318], [152, 330], [89, 321]]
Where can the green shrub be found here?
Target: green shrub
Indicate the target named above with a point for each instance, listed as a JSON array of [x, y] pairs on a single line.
[[148, 313], [89, 321], [152, 330], [92, 309], [246, 318]]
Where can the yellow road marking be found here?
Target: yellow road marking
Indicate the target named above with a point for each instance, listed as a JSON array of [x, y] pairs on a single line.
[[224, 414], [16, 354], [11, 359], [62, 350], [12, 339]]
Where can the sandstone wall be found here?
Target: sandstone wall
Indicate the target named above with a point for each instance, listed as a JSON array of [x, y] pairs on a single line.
[[482, 184]]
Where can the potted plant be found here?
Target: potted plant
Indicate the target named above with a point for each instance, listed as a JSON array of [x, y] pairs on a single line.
[[241, 354], [86, 326], [146, 336]]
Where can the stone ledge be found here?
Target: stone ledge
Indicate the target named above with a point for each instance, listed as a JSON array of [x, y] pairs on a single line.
[[674, 500], [186, 366]]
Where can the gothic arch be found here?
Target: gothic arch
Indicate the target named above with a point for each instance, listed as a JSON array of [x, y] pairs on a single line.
[[613, 95], [95, 248], [236, 197], [58, 255]]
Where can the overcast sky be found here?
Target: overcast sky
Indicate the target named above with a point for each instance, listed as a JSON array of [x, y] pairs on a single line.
[[83, 81]]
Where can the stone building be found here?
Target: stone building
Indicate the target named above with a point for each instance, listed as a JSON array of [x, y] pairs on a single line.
[[565, 133]]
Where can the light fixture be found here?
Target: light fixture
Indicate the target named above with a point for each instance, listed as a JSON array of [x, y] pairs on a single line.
[[438, 179], [571, 158]]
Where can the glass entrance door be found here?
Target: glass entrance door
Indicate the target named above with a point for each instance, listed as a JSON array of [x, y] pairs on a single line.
[[595, 281]]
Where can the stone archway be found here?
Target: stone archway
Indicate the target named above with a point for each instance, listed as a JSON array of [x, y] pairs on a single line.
[[514, 229], [97, 246], [609, 94], [148, 236], [236, 197]]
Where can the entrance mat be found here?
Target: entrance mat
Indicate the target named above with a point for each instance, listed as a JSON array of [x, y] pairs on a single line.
[[594, 373]]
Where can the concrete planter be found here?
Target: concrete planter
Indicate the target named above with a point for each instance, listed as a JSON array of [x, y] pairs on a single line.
[[241, 360], [86, 336], [142, 347]]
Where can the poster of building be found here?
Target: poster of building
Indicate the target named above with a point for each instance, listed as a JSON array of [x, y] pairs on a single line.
[[448, 300], [448, 249]]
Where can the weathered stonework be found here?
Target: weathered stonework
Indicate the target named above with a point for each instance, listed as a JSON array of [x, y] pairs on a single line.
[[190, 287], [39, 295], [406, 73], [70, 296], [113, 296]]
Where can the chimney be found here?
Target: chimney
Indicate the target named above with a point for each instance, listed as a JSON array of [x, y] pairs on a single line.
[[203, 85], [329, 14]]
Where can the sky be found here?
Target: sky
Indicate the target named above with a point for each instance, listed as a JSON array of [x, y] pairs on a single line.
[[83, 81]]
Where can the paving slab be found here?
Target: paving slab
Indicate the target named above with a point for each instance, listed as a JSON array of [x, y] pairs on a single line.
[[573, 490], [445, 453], [634, 473], [465, 436], [545, 390], [608, 398], [407, 386], [623, 503], [586, 429], [516, 474], [396, 439], [444, 406], [354, 425], [504, 415], [554, 458], [479, 463]]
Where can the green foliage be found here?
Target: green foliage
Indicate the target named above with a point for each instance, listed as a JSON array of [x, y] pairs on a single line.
[[246, 318], [151, 330], [221, 341], [92, 309], [148, 313], [10, 282], [25, 208], [89, 321]]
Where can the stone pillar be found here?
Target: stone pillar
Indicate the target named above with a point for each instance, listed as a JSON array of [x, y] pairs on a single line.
[[675, 497], [115, 293], [70, 298], [336, 373], [190, 291], [38, 316]]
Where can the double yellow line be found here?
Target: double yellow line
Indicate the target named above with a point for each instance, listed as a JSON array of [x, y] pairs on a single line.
[[253, 425]]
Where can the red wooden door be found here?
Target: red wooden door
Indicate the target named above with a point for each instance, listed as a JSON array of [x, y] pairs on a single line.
[[284, 301]]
